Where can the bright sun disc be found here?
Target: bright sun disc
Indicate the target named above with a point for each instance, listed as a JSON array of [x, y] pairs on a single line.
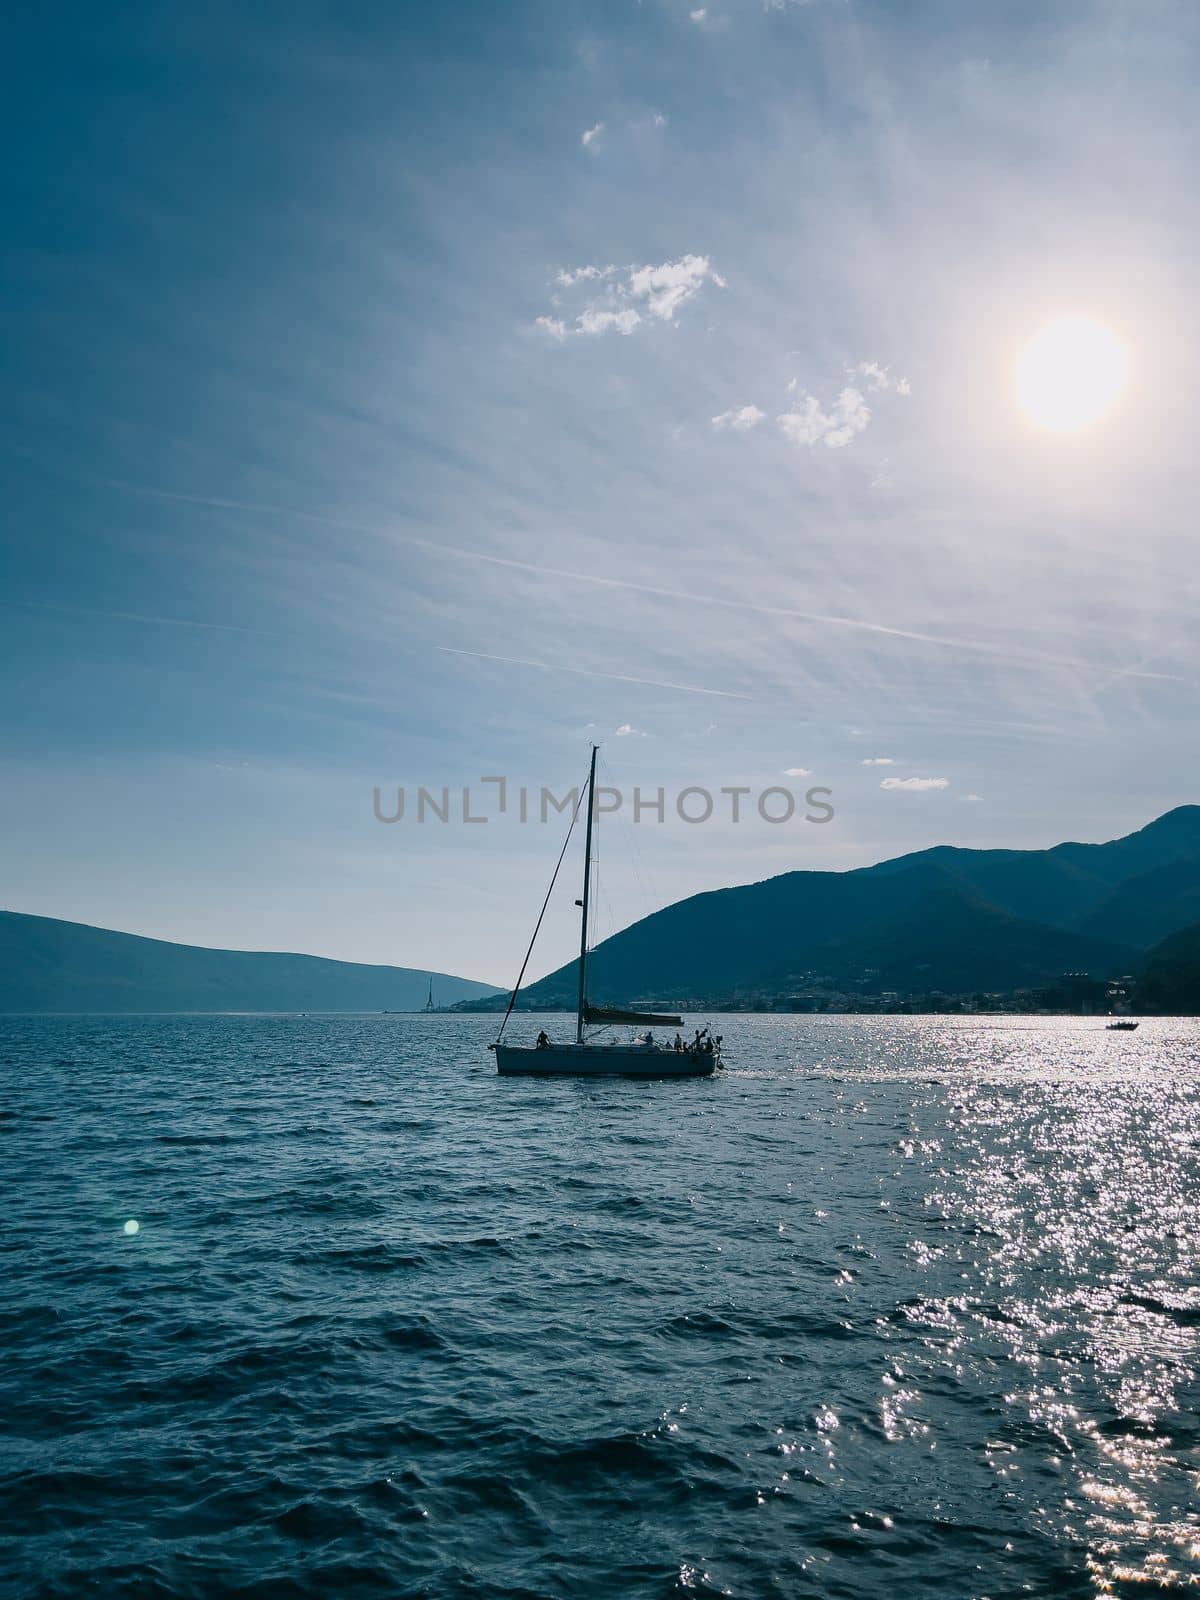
[[1070, 373]]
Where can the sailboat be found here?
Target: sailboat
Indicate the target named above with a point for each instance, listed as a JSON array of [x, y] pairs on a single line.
[[589, 1057]]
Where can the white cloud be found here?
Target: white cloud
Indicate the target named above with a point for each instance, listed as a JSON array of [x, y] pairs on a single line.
[[740, 421], [797, 772], [879, 378], [699, 16], [808, 424], [915, 785], [972, 798], [554, 326], [574, 275], [659, 120], [596, 321], [659, 290], [671, 285], [878, 761], [628, 731], [590, 135]]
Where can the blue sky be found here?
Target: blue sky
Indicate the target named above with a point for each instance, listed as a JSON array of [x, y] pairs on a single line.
[[335, 350]]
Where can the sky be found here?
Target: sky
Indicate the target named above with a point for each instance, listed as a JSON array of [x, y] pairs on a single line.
[[403, 395]]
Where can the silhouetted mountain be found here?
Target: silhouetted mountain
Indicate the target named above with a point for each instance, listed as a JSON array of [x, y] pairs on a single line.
[[1170, 977], [962, 919], [48, 965], [958, 943], [1145, 909]]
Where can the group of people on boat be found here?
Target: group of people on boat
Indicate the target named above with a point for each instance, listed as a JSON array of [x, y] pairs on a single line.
[[704, 1044]]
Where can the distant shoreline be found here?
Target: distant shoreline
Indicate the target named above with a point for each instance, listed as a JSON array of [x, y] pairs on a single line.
[[451, 1015]]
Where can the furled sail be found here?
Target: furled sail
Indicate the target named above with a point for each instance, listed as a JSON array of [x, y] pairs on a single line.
[[650, 1019]]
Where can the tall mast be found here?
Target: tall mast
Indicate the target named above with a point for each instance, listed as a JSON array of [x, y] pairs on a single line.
[[587, 882]]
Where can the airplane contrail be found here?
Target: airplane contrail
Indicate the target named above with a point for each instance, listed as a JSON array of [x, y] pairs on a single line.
[[1027, 658], [587, 672], [136, 616]]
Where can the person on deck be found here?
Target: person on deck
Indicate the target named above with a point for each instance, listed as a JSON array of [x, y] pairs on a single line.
[[543, 1040]]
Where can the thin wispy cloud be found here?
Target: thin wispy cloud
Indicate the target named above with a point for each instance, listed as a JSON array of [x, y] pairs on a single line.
[[589, 135], [149, 618], [797, 772], [1033, 660], [915, 785], [878, 379], [628, 731], [554, 326], [598, 320], [1029, 659], [587, 672], [878, 761], [708, 20], [741, 421], [572, 275]]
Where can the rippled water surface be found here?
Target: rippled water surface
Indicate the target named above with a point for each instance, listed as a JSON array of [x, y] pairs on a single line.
[[893, 1306]]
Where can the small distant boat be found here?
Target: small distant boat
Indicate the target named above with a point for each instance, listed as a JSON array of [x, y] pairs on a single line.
[[1121, 1025], [644, 1057]]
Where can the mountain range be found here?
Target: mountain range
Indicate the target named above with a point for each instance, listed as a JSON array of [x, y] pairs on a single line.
[[48, 965], [944, 919]]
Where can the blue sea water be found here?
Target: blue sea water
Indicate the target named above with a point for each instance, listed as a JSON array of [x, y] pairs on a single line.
[[892, 1306]]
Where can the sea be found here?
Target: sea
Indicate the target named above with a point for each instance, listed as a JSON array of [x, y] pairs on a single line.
[[320, 1306]]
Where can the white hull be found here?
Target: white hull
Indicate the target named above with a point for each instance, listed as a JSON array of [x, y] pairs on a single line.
[[602, 1060]]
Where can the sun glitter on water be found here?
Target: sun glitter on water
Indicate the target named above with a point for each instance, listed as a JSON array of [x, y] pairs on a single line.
[[1070, 374]]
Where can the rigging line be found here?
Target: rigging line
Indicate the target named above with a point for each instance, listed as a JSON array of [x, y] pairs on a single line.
[[646, 886], [636, 864], [594, 869], [512, 999]]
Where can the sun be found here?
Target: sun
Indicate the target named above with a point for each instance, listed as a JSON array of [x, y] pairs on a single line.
[[1070, 373]]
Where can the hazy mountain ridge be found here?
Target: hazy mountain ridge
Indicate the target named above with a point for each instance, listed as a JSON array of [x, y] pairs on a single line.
[[1148, 908], [945, 918], [1170, 980], [47, 965]]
